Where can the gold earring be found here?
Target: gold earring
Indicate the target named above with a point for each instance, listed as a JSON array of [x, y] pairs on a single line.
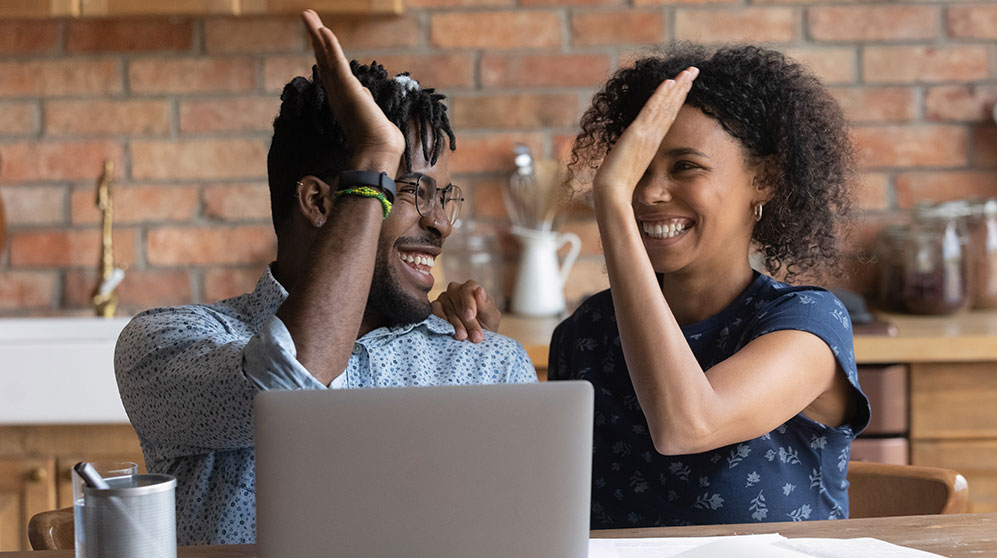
[[758, 211]]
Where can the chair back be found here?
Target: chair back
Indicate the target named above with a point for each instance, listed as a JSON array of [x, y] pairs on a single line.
[[887, 490], [52, 530]]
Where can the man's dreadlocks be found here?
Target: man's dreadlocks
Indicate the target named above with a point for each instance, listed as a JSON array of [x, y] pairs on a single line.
[[308, 141]]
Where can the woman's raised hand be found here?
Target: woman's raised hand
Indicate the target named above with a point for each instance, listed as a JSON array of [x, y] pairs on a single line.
[[374, 140], [469, 310], [627, 161]]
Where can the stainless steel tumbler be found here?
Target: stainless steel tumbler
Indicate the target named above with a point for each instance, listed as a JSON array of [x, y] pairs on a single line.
[[135, 517]]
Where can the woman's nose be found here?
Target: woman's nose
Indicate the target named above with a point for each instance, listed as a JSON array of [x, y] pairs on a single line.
[[651, 191]]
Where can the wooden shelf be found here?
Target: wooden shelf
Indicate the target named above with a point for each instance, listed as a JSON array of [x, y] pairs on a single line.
[[40, 9]]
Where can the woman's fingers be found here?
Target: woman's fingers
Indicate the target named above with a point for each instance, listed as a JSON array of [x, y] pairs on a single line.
[[489, 315]]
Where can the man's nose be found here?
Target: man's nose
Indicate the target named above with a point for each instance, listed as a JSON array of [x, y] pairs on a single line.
[[437, 221]]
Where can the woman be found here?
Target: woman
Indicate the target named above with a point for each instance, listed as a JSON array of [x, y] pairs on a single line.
[[722, 395]]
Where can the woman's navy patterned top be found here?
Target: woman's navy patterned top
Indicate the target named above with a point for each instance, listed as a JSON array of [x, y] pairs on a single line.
[[796, 472]]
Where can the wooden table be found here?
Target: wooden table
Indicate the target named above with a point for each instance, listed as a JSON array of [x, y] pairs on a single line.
[[955, 536]]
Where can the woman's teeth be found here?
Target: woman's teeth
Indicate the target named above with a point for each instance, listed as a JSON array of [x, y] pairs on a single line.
[[416, 260], [663, 230]]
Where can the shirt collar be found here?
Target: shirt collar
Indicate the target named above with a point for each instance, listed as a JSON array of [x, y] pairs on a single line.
[[433, 323], [269, 293]]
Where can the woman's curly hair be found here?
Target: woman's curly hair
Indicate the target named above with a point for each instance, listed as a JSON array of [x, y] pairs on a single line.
[[783, 118]]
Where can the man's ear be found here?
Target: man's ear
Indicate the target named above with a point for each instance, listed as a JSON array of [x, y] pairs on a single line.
[[314, 198]]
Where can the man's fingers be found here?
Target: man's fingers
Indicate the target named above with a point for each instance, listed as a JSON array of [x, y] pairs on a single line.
[[460, 333]]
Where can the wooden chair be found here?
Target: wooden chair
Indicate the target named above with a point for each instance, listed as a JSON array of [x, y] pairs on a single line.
[[52, 530], [885, 490]]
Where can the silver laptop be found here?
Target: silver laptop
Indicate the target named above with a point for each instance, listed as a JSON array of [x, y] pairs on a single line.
[[494, 471]]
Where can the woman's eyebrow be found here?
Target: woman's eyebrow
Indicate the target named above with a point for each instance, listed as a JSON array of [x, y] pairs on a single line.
[[680, 151]]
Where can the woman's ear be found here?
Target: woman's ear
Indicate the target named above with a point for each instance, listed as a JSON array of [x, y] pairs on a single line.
[[314, 200], [762, 182]]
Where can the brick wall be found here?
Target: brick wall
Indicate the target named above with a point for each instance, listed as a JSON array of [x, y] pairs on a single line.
[[183, 107]]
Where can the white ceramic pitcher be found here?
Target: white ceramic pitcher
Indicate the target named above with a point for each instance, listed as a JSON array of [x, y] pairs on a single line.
[[539, 289]]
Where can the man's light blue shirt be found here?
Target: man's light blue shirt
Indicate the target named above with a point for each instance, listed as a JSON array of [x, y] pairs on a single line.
[[187, 376]]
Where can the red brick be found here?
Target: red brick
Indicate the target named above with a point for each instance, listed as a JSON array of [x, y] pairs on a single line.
[[490, 152], [485, 196], [984, 150], [49, 161], [911, 146], [523, 29], [210, 245], [360, 32], [912, 187], [556, 3], [107, 117], [976, 21], [689, 2], [611, 27], [190, 75], [873, 23], [138, 204], [871, 191], [129, 35], [756, 25], [141, 289], [515, 111], [226, 282], [27, 289], [18, 118], [63, 248], [34, 205], [50, 78], [877, 104], [238, 114], [198, 159], [543, 70], [28, 37], [966, 103], [924, 64], [431, 70], [457, 3], [830, 64], [237, 202], [272, 34]]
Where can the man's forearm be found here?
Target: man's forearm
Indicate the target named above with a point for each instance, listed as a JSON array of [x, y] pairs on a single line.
[[324, 311]]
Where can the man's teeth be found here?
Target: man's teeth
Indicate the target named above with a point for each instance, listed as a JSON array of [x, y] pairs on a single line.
[[664, 230], [418, 259]]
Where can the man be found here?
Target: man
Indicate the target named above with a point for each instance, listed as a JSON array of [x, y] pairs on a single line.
[[343, 306]]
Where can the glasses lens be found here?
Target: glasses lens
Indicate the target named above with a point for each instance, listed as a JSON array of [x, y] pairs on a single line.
[[424, 195], [452, 203]]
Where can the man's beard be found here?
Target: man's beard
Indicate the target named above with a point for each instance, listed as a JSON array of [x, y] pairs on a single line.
[[388, 299]]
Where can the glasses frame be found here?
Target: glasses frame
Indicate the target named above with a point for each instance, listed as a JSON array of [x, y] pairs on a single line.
[[451, 195]]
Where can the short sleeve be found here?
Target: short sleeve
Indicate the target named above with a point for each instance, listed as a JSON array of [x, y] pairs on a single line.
[[818, 312]]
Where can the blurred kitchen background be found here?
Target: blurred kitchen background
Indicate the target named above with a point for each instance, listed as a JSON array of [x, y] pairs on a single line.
[[182, 100]]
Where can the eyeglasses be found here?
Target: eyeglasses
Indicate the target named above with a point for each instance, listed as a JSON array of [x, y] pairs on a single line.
[[425, 195]]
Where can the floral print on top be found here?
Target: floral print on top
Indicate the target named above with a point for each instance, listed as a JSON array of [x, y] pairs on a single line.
[[187, 376], [796, 472]]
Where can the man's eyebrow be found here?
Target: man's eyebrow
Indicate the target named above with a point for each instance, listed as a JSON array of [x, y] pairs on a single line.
[[680, 151]]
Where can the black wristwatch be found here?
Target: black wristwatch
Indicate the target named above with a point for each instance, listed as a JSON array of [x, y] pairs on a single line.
[[379, 180]]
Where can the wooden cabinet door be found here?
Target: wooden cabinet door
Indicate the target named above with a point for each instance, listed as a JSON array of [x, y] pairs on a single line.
[[90, 8], [39, 8], [26, 488], [953, 400]]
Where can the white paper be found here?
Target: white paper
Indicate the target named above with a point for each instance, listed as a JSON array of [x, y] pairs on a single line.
[[750, 546], [852, 548]]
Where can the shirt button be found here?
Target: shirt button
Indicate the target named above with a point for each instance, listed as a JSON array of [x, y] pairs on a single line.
[[357, 348]]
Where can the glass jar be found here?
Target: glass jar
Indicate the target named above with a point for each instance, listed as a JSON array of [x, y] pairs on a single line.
[[983, 248], [935, 263], [890, 254], [472, 252]]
